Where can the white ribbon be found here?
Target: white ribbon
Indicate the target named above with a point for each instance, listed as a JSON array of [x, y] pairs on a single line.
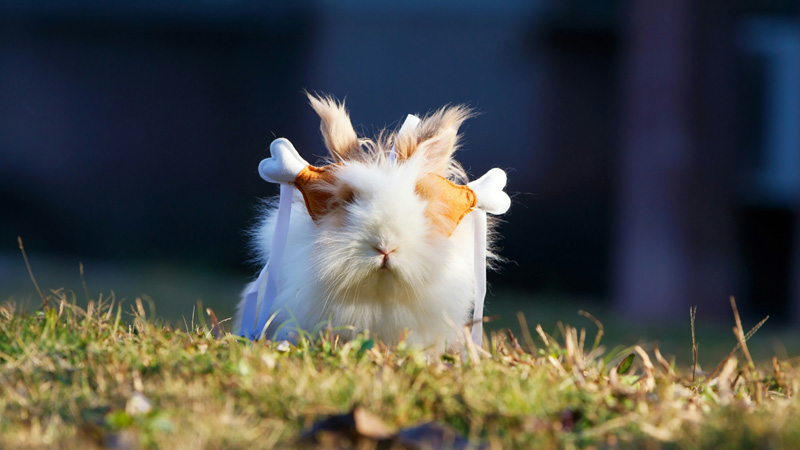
[[250, 303], [271, 271], [479, 227]]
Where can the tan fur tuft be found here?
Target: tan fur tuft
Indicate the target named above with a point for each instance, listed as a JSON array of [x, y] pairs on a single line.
[[437, 136], [337, 131]]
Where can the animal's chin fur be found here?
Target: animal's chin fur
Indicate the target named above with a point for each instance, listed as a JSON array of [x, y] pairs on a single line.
[[398, 284]]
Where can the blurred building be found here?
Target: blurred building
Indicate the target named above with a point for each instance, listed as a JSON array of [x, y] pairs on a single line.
[[708, 199], [652, 148]]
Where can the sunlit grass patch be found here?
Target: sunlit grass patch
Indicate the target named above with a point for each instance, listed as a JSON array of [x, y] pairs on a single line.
[[115, 376]]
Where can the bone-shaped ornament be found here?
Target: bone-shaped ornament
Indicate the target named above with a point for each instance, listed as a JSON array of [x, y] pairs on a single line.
[[489, 192], [284, 164]]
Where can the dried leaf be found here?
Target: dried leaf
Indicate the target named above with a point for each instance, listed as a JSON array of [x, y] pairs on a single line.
[[358, 425], [370, 425], [361, 429], [431, 436], [216, 329]]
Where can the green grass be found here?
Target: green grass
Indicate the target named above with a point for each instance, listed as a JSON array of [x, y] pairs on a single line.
[[73, 377]]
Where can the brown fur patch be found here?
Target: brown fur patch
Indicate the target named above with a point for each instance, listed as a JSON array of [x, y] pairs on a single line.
[[315, 183]]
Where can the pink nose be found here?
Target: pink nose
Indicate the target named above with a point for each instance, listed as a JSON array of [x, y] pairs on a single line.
[[385, 254]]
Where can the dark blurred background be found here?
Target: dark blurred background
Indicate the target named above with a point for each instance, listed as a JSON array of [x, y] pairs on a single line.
[[653, 148]]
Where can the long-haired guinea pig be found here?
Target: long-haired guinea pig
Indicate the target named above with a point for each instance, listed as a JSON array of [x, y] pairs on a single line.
[[380, 254]]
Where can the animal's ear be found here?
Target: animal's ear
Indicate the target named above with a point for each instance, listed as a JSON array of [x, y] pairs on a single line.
[[435, 138], [337, 131]]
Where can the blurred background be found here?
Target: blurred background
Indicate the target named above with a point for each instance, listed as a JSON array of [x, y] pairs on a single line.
[[653, 148]]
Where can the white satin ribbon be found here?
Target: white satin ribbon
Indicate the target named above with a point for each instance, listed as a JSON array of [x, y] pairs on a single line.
[[250, 303], [479, 227], [271, 271]]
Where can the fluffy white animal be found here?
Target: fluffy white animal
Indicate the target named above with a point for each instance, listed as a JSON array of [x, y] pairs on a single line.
[[380, 252]]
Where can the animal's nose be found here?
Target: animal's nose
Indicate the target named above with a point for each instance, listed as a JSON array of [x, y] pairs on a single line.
[[383, 250]]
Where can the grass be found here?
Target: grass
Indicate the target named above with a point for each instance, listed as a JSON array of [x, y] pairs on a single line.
[[105, 375]]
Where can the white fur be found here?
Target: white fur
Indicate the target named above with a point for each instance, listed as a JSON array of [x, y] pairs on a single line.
[[332, 272]]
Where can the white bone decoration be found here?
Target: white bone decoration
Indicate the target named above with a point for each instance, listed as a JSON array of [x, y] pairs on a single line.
[[489, 193], [284, 164]]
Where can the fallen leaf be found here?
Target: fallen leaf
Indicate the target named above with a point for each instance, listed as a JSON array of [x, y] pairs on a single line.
[[361, 429], [370, 425], [431, 436], [216, 329], [356, 426]]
